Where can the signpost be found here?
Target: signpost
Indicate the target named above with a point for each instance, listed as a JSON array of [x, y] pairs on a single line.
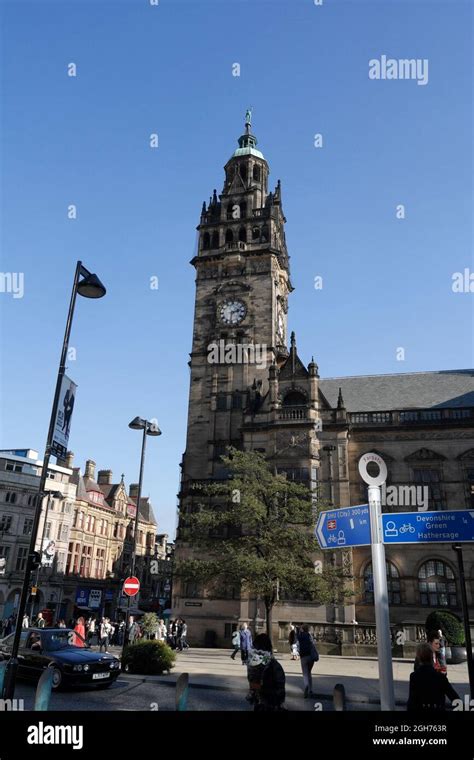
[[349, 526], [365, 524], [131, 586], [453, 525]]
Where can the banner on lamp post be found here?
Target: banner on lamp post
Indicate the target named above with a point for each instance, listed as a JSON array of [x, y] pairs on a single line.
[[62, 425]]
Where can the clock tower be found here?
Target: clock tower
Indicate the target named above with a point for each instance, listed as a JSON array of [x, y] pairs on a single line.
[[247, 389]]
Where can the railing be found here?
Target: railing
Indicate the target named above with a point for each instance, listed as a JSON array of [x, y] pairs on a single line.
[[293, 413], [411, 417]]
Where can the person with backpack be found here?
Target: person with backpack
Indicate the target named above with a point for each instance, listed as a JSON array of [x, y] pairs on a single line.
[[308, 656], [266, 677]]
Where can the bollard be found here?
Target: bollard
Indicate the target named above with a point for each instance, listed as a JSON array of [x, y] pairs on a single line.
[[43, 690], [182, 688], [339, 697]]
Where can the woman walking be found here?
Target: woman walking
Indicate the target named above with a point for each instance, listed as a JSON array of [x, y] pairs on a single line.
[[308, 656]]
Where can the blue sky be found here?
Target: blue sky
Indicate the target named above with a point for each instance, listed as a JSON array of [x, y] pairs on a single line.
[[84, 140]]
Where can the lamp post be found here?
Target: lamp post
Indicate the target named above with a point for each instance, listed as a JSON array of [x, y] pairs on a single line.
[[149, 428], [89, 286], [51, 495]]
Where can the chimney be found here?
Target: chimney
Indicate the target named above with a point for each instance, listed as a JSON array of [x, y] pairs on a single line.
[[90, 469], [133, 491], [69, 459], [104, 477]]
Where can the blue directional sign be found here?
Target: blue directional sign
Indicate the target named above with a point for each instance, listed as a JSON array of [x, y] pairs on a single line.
[[349, 526], [427, 527]]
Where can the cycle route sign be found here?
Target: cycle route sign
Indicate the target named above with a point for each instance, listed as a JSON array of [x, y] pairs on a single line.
[[428, 527]]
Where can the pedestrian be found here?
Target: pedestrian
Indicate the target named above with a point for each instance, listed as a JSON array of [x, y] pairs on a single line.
[[266, 676], [172, 634], [25, 623], [104, 630], [439, 661], [80, 631], [133, 630], [184, 632], [442, 651], [40, 621], [161, 631], [293, 642], [235, 643], [90, 630], [428, 686], [245, 643], [179, 631], [308, 656]]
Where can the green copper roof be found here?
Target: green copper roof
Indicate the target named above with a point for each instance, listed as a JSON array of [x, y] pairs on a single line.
[[248, 142], [248, 151]]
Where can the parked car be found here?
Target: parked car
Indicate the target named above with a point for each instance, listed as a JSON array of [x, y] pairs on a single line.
[[58, 648]]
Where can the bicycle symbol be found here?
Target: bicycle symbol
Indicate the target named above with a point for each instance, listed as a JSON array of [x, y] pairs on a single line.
[[332, 540], [407, 528]]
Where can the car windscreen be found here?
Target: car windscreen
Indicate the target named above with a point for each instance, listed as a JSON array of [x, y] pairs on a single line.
[[60, 640]]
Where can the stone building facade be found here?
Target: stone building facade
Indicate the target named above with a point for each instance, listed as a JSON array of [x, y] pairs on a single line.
[[249, 390], [85, 536]]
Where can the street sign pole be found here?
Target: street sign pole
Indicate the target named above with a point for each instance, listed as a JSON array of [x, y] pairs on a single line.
[[467, 629], [382, 618], [379, 573]]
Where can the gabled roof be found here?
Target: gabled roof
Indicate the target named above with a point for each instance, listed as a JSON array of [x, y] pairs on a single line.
[[413, 390], [293, 367]]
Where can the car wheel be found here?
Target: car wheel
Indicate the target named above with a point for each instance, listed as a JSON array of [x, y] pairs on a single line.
[[57, 678]]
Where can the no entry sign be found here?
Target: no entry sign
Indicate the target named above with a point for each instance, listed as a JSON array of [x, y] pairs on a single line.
[[131, 586]]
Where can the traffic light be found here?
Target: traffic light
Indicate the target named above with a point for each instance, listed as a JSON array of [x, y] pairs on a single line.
[[35, 560]]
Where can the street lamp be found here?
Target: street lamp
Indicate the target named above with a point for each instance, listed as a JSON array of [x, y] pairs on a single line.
[[51, 495], [149, 428], [87, 285]]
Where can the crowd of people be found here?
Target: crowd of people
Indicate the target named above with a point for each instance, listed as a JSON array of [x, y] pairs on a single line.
[[104, 632], [429, 684]]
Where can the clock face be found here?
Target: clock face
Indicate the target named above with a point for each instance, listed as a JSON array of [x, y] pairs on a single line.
[[232, 312]]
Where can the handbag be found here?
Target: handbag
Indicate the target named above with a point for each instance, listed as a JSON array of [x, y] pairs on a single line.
[[314, 652]]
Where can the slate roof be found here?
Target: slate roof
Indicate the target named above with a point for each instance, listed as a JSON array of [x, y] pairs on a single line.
[[413, 390]]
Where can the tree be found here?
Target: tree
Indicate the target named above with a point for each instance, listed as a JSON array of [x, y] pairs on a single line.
[[150, 623], [256, 531], [449, 624]]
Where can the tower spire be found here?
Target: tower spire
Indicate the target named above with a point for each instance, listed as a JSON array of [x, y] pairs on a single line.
[[248, 120]]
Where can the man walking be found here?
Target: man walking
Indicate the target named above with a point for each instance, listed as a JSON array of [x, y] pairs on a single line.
[[245, 643]]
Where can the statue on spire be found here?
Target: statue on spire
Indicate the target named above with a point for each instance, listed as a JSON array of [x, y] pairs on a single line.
[[248, 120]]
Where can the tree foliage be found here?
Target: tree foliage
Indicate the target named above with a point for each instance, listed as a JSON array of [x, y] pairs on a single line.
[[256, 531]]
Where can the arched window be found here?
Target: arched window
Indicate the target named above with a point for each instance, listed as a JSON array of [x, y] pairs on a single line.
[[243, 210], [230, 207], [294, 398], [256, 173], [215, 239], [206, 240], [243, 235], [256, 233], [229, 236], [243, 171], [265, 233], [437, 585], [393, 584]]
